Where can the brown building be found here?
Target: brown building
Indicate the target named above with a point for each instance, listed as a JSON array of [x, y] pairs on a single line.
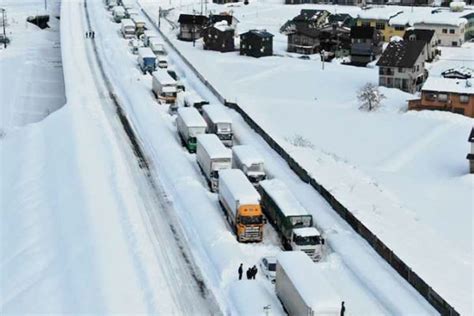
[[219, 37], [454, 95], [470, 156]]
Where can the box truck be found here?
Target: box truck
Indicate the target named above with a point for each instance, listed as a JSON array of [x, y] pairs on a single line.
[[162, 61], [146, 60], [303, 288], [147, 35], [291, 220], [128, 28], [157, 46], [118, 14], [218, 122], [190, 124], [140, 25], [164, 87], [247, 159], [212, 156], [192, 99], [241, 204]]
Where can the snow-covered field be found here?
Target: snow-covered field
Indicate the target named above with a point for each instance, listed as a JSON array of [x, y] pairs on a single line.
[[404, 174]]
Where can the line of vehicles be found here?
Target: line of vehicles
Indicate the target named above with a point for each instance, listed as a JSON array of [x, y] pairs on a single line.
[[237, 173]]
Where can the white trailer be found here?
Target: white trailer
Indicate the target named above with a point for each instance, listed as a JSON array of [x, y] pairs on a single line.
[[192, 99], [291, 220], [147, 35], [190, 124], [118, 14], [156, 46], [241, 203], [303, 288], [247, 159], [146, 60], [128, 28], [164, 87], [212, 156], [218, 122]]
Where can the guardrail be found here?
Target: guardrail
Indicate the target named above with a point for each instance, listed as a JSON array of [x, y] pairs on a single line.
[[440, 304]]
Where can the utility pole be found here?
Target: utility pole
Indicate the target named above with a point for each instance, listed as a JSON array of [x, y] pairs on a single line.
[[46, 5], [4, 32], [159, 17]]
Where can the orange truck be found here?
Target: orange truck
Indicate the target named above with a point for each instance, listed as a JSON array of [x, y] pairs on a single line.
[[241, 203]]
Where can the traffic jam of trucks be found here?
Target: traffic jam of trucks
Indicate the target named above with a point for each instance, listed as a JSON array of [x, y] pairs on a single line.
[[248, 196]]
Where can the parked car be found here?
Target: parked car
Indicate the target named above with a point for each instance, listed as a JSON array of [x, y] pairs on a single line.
[[268, 268]]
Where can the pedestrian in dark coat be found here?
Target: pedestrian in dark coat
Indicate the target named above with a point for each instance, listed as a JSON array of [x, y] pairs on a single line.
[[254, 271], [241, 270], [343, 308], [249, 273], [93, 34], [87, 34]]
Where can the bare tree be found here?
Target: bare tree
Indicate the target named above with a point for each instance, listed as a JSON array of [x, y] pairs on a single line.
[[369, 97]]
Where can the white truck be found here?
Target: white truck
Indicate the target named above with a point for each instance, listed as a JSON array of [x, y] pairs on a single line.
[[147, 35], [164, 87], [162, 61], [192, 99], [241, 204], [291, 220], [128, 28], [190, 124], [140, 25], [118, 14], [247, 159], [218, 122], [212, 156], [157, 46], [303, 288], [146, 60]]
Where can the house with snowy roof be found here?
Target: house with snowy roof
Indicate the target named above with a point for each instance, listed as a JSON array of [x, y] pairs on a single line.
[[379, 18], [256, 43], [402, 66], [444, 94], [191, 25], [219, 37], [470, 156], [366, 44], [427, 36]]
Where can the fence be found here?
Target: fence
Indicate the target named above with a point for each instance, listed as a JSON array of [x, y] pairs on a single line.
[[443, 307]]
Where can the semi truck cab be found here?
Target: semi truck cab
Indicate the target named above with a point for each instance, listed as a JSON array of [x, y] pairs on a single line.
[[249, 223], [308, 240]]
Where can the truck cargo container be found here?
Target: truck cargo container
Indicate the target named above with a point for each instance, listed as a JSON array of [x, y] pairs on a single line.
[[146, 60], [157, 46], [190, 124], [290, 219], [172, 72], [303, 288], [212, 156], [128, 28], [140, 25], [147, 35], [118, 14], [192, 99], [218, 122], [241, 204], [247, 159], [164, 87]]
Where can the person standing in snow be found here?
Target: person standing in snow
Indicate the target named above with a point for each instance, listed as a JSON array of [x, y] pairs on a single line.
[[93, 34], [343, 308], [87, 34], [249, 273], [254, 271], [241, 270]]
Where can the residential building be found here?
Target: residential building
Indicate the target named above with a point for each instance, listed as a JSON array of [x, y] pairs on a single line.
[[191, 26], [303, 40], [366, 44], [470, 156], [256, 43], [335, 40], [416, 2], [342, 19], [427, 36], [454, 95], [219, 37], [402, 66], [379, 18], [448, 34]]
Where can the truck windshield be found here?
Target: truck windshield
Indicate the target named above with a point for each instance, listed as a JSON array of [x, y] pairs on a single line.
[[308, 240], [192, 140], [256, 167], [247, 220], [272, 267]]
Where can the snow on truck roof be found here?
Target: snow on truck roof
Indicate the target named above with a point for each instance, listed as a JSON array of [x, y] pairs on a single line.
[[127, 22], [247, 155], [307, 231], [163, 77], [217, 114], [310, 281], [191, 117], [213, 146], [146, 52], [282, 196], [192, 97], [239, 186]]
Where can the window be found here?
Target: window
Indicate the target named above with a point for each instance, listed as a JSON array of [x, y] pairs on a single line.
[[454, 43], [445, 31], [380, 25], [439, 41], [443, 97], [464, 98], [365, 24], [399, 28], [430, 96], [452, 31], [400, 70]]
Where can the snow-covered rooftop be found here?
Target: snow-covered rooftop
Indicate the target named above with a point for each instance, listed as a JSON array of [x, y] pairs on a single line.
[[192, 97], [191, 117], [306, 231], [223, 26], [282, 196], [216, 114], [247, 154], [310, 281], [163, 77], [463, 86], [213, 146]]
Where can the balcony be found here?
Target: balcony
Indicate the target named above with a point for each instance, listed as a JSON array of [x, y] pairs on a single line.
[[386, 71]]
